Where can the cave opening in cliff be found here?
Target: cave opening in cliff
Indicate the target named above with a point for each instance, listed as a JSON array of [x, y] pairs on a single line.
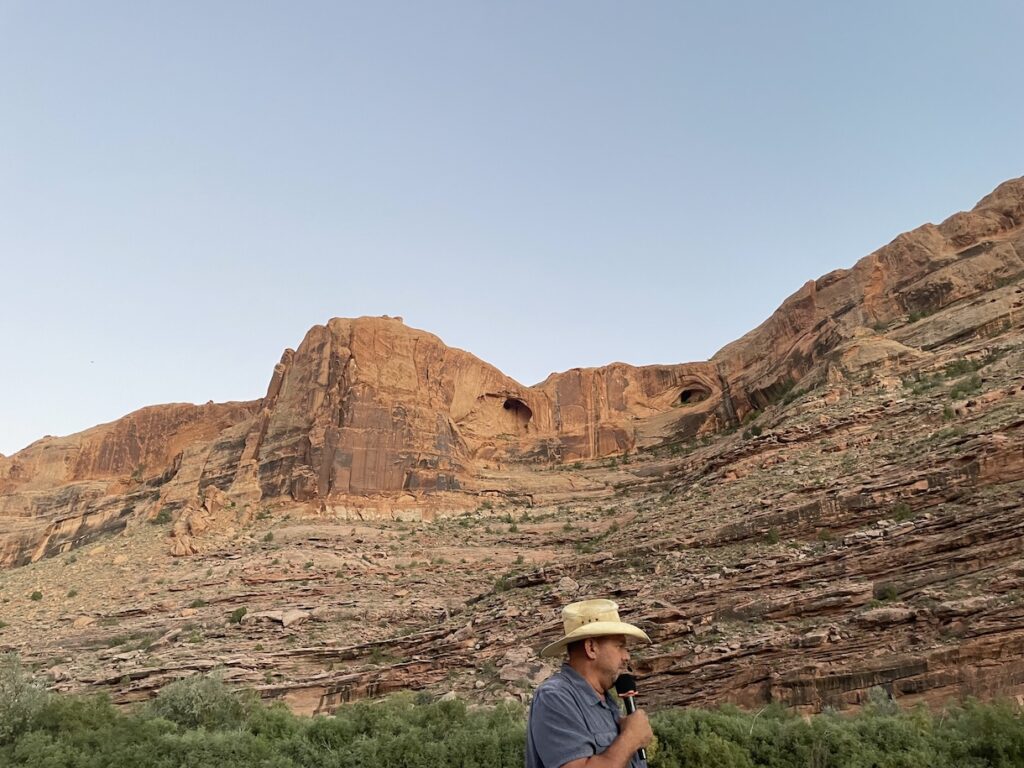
[[692, 395], [519, 410]]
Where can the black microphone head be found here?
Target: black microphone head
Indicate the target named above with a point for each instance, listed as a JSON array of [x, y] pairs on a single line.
[[625, 684]]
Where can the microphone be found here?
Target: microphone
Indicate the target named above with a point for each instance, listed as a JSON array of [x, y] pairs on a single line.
[[625, 686]]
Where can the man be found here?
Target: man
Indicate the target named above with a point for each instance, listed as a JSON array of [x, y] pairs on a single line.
[[574, 721]]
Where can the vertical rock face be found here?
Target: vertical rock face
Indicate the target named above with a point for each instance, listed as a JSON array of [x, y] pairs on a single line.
[[917, 274], [61, 492], [368, 411], [366, 406], [363, 409], [370, 406]]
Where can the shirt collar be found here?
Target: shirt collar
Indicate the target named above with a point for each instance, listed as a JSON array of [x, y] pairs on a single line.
[[579, 682]]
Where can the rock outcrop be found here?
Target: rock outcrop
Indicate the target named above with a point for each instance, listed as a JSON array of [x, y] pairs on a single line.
[[365, 417], [59, 493], [831, 504]]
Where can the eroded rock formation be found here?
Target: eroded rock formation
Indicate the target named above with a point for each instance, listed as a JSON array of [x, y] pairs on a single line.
[[832, 503], [365, 417]]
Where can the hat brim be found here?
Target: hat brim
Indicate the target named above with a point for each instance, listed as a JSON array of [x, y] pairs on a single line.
[[595, 629]]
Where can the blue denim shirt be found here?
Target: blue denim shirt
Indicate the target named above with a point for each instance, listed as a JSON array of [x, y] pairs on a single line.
[[568, 720]]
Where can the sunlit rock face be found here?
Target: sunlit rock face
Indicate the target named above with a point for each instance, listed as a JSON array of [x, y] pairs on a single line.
[[369, 417]]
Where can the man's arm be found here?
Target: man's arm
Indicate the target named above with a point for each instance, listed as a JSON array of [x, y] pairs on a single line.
[[634, 732]]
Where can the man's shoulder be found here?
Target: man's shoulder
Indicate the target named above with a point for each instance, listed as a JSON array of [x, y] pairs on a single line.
[[558, 687], [559, 681]]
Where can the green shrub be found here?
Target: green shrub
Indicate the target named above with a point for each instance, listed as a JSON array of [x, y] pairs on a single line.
[[21, 698], [199, 701], [162, 517], [36, 596], [198, 722], [966, 387]]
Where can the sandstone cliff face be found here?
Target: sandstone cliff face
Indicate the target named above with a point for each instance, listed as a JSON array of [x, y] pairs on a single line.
[[369, 406], [61, 492], [831, 503], [916, 275], [367, 414]]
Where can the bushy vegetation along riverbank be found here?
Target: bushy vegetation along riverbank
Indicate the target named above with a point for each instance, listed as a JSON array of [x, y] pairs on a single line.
[[198, 723]]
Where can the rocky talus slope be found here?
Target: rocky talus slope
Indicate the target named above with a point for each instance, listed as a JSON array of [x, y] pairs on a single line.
[[831, 504]]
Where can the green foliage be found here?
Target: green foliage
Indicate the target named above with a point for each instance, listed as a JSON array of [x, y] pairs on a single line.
[[960, 368], [162, 517], [198, 722], [887, 592], [901, 511], [965, 387], [237, 614], [920, 314], [21, 698], [36, 596], [919, 384], [200, 702]]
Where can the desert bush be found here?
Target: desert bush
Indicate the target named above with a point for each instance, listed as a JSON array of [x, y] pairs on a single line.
[[201, 702], [21, 698], [200, 723]]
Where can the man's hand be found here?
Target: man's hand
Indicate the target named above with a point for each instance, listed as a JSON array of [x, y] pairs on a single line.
[[634, 732], [636, 729]]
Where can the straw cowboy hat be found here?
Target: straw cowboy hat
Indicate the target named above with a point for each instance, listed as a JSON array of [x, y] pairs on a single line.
[[592, 618]]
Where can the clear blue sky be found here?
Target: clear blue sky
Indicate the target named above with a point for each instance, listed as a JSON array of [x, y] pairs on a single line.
[[187, 187]]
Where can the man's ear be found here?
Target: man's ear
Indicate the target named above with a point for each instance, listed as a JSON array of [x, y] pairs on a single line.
[[590, 647]]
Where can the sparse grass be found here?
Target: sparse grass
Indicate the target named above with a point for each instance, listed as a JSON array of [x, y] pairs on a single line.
[[887, 593], [920, 314], [163, 517], [920, 383], [948, 432], [901, 511], [966, 387]]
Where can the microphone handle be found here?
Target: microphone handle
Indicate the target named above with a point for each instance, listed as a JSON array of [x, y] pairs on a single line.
[[630, 706]]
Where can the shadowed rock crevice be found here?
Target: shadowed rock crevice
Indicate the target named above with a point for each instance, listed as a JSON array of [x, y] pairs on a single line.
[[520, 413]]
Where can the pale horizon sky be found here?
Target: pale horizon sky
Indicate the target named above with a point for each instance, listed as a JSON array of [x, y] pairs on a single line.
[[186, 188]]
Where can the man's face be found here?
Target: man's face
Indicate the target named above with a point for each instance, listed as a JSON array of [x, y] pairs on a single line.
[[611, 658]]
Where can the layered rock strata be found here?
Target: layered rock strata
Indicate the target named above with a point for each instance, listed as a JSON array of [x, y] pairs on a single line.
[[831, 504]]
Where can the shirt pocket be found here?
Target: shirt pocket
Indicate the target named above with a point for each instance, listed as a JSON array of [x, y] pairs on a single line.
[[604, 739]]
